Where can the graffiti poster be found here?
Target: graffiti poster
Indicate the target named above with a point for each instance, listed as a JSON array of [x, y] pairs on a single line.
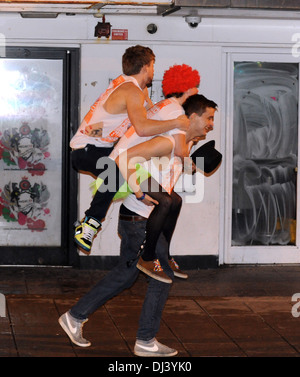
[[30, 152], [265, 153]]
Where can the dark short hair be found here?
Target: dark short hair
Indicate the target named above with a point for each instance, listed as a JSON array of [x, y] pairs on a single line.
[[135, 58], [197, 104]]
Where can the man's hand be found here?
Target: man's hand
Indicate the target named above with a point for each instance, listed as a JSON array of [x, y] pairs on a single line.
[[149, 201], [187, 94], [183, 122]]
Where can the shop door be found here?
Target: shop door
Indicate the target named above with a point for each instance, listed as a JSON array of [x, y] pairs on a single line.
[[262, 159], [38, 107]]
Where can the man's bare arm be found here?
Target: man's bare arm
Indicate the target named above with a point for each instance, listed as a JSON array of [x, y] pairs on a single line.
[[147, 99], [148, 127], [181, 147]]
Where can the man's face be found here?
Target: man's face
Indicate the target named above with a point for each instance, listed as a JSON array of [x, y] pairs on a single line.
[[150, 73], [201, 125]]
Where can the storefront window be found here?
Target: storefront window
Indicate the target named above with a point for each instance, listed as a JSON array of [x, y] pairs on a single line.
[[30, 152], [265, 150]]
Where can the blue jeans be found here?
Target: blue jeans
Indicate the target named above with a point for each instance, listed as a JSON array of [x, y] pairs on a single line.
[[124, 275]]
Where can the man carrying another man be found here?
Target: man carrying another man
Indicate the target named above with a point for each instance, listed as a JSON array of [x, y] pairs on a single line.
[[132, 228], [124, 103]]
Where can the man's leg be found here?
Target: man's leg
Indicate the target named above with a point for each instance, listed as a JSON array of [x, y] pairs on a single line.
[[157, 218], [148, 262], [154, 303], [119, 278], [168, 230], [95, 161]]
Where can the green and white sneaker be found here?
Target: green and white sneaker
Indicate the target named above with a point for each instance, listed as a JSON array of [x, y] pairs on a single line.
[[85, 232], [153, 348], [73, 328]]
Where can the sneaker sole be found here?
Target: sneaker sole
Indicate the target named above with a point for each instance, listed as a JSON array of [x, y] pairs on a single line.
[[179, 275], [66, 330], [154, 354], [147, 272], [83, 249]]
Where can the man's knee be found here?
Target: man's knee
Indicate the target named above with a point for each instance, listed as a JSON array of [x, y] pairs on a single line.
[[176, 201], [165, 203]]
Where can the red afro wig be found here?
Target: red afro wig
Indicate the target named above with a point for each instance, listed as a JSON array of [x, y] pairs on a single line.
[[179, 79]]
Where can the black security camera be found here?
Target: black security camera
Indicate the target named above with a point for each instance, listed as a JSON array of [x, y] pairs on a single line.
[[193, 21]]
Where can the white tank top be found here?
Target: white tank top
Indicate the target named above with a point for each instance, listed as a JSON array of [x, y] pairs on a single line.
[[113, 125]]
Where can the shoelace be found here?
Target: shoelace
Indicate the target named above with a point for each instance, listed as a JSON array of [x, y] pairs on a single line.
[[81, 327], [175, 264], [88, 232], [157, 266]]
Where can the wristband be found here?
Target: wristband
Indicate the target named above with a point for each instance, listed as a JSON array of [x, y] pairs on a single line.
[[142, 197]]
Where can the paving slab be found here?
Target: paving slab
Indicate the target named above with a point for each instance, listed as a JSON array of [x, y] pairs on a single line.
[[233, 312]]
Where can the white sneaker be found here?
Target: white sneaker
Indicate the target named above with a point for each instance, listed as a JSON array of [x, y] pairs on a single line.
[[153, 348], [73, 329]]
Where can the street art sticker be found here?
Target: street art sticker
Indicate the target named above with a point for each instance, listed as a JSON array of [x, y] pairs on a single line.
[[25, 204], [25, 149]]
